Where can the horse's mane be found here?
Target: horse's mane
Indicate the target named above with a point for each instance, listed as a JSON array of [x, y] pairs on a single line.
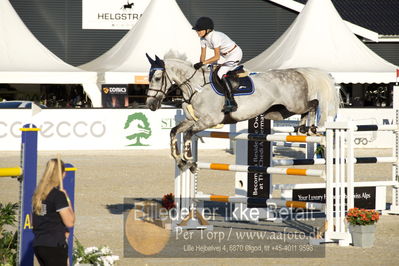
[[176, 56]]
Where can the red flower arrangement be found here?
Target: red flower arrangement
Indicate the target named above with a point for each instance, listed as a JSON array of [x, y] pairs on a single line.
[[168, 201], [356, 216]]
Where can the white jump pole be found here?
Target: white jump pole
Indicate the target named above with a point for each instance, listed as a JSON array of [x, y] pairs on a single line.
[[336, 139], [260, 169], [261, 137], [395, 151]]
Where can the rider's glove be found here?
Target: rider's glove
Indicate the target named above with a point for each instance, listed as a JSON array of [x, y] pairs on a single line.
[[198, 65]]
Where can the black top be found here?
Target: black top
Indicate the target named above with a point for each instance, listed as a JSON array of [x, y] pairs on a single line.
[[48, 228]]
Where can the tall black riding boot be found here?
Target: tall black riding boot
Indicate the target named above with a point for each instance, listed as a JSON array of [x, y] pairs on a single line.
[[230, 104]]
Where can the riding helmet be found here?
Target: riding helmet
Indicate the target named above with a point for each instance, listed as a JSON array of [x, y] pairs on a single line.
[[203, 23]]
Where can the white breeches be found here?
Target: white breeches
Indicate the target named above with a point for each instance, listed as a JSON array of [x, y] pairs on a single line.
[[232, 60]]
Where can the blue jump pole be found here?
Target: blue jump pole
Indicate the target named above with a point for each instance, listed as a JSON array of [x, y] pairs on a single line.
[[69, 186], [28, 185]]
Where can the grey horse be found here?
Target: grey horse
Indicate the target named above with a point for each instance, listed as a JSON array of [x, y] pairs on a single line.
[[278, 95]]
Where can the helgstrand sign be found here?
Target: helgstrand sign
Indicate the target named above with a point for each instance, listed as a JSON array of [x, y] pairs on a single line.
[[115, 14]]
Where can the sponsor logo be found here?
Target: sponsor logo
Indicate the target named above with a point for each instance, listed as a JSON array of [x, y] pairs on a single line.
[[118, 16], [115, 90], [138, 127], [115, 14], [127, 6], [63, 129], [168, 123]]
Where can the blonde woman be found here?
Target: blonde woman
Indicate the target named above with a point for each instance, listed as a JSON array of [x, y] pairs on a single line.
[[52, 216]]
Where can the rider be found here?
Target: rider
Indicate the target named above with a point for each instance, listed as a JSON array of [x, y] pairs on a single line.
[[222, 46]]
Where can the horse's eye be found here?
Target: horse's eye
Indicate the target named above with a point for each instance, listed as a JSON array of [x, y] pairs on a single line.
[[157, 79]]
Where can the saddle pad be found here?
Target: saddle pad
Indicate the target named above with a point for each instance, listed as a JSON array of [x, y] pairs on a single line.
[[244, 86]]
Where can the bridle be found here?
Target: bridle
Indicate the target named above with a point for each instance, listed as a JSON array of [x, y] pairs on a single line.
[[164, 90]]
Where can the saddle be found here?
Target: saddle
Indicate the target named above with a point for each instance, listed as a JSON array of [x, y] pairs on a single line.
[[240, 81]]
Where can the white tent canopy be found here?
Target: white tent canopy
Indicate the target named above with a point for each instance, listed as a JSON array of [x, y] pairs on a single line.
[[163, 27], [23, 59], [320, 38]]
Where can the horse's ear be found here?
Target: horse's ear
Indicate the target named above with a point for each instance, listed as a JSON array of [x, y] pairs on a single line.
[[159, 61], [152, 62]]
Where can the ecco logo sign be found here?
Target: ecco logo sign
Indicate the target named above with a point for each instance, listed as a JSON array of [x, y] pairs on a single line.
[[62, 129]]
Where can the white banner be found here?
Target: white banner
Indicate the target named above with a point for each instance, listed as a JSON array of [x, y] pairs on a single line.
[[96, 129], [126, 129], [370, 116], [112, 14]]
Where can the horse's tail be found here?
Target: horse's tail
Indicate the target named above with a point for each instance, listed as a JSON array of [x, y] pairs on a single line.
[[321, 86]]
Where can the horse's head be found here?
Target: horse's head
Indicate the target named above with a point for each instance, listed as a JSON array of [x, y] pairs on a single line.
[[159, 83]]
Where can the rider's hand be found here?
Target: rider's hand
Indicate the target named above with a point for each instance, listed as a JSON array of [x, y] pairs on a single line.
[[198, 65]]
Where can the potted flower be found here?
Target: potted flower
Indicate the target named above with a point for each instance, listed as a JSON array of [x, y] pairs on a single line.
[[362, 226], [168, 201], [93, 255], [8, 235]]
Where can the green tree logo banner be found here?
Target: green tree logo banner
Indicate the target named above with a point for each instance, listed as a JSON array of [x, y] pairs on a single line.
[[138, 127]]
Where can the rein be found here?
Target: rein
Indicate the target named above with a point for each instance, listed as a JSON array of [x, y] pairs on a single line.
[[165, 92], [192, 91]]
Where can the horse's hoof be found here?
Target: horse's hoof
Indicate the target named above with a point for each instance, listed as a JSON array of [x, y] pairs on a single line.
[[187, 157], [312, 130], [193, 167], [302, 130], [183, 165], [180, 163]]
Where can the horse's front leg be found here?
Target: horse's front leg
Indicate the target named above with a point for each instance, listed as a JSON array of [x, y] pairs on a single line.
[[187, 153], [174, 149], [182, 127], [310, 116], [302, 129]]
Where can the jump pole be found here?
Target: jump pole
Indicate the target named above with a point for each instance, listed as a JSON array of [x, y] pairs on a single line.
[[11, 171], [27, 188], [185, 189], [394, 209], [260, 169], [260, 137], [69, 186]]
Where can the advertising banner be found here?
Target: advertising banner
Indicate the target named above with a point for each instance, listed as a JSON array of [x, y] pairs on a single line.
[[365, 197], [96, 129], [370, 116], [112, 15], [258, 155], [114, 95]]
